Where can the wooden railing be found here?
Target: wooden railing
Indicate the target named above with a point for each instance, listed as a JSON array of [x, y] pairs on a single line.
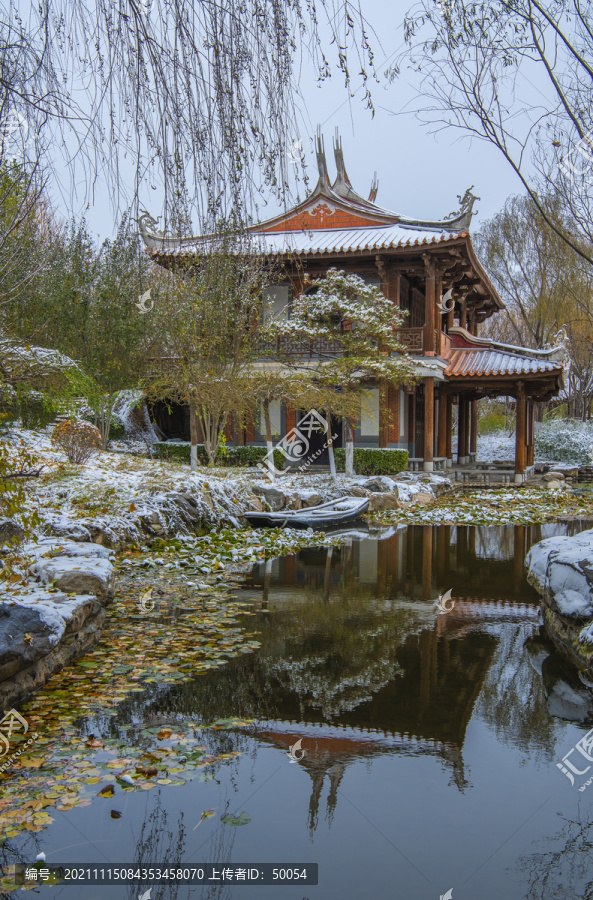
[[313, 347], [412, 339]]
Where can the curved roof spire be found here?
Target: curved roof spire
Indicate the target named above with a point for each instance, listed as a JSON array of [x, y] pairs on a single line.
[[342, 186], [324, 181]]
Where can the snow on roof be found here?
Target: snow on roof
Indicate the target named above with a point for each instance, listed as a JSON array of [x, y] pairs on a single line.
[[333, 240]]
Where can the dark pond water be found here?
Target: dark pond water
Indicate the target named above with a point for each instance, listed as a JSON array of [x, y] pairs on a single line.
[[430, 741]]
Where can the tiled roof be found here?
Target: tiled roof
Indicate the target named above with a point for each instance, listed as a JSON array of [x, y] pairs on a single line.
[[466, 363], [328, 241]]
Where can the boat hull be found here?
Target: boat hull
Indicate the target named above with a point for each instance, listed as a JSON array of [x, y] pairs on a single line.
[[308, 518]]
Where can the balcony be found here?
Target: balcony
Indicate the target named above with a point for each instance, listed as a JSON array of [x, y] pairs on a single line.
[[315, 347]]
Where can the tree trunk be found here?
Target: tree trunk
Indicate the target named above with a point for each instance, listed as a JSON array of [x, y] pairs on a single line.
[[269, 445], [330, 447], [349, 440], [207, 429], [193, 431], [103, 420]]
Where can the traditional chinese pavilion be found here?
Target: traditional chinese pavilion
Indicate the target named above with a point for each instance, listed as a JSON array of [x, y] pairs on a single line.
[[430, 270]]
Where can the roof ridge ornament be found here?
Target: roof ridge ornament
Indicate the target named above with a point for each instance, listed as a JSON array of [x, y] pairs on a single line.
[[339, 158], [463, 215], [321, 160]]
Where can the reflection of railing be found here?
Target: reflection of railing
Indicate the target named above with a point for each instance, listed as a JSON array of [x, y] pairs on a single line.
[[411, 338], [300, 347]]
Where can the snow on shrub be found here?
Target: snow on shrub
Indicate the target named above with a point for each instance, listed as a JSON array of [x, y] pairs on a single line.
[[565, 440], [77, 438]]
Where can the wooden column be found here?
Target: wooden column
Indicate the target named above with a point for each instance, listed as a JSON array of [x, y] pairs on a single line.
[[442, 424], [428, 424], [439, 317], [430, 300], [449, 431], [440, 553], [463, 315], [426, 561], [473, 432], [462, 430], [520, 436], [451, 313], [466, 433], [531, 438]]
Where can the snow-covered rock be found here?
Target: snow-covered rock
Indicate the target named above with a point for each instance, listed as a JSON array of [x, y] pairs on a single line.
[[40, 632], [274, 497], [379, 501], [310, 498], [77, 575], [10, 531], [380, 484], [561, 568]]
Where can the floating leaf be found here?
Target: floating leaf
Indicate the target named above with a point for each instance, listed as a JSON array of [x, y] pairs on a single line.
[[242, 819], [107, 791]]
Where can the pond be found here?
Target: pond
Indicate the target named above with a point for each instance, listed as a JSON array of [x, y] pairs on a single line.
[[409, 753]]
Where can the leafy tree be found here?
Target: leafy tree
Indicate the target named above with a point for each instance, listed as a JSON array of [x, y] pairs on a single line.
[[546, 288], [21, 250], [206, 322], [349, 329], [85, 304]]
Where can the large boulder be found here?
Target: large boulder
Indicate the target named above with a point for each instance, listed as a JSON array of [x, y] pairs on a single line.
[[379, 484], [379, 502], [423, 498], [41, 632], [77, 575], [10, 531], [310, 498], [52, 547], [31, 627], [272, 496], [561, 568]]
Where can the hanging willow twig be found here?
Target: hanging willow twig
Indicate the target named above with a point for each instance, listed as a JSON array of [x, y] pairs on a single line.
[[195, 99]]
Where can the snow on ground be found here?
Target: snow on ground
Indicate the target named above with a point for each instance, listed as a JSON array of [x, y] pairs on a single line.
[[497, 445]]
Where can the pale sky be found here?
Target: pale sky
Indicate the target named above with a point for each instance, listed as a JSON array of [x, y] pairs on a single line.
[[420, 174]]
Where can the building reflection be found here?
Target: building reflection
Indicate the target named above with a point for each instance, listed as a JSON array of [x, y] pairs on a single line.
[[356, 661]]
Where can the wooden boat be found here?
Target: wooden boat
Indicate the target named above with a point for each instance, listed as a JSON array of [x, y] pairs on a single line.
[[327, 515]]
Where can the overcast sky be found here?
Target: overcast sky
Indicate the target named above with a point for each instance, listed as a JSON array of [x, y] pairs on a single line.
[[420, 174]]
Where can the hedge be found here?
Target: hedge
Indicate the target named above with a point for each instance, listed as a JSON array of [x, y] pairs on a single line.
[[368, 461], [234, 456]]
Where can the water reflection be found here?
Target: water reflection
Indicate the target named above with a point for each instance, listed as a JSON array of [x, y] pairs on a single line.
[[357, 663], [436, 735]]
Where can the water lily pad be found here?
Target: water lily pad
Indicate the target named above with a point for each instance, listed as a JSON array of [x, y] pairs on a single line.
[[242, 819]]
